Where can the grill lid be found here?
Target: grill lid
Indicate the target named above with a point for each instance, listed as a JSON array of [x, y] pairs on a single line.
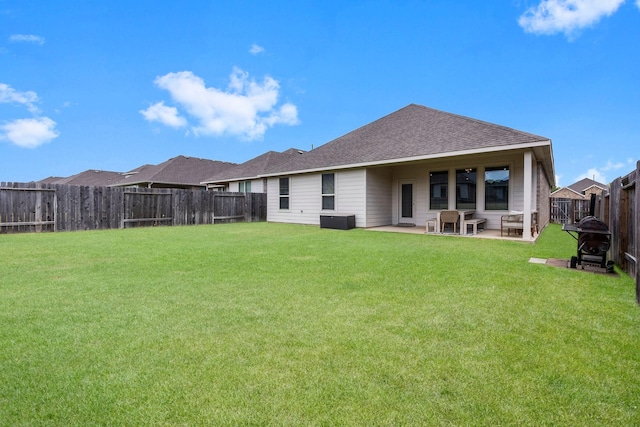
[[591, 223]]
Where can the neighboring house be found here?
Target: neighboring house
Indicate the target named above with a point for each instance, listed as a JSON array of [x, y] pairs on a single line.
[[408, 165], [243, 178], [89, 177], [572, 203], [177, 172], [580, 190]]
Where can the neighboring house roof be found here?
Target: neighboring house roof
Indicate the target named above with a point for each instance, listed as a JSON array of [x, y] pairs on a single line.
[[50, 180], [89, 177], [566, 193], [584, 184], [254, 167], [180, 170], [413, 133]]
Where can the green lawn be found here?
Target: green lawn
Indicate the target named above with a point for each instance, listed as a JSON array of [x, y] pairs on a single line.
[[271, 324]]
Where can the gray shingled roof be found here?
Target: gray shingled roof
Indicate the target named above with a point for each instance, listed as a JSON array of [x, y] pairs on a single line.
[[585, 183], [180, 170], [255, 167], [89, 177], [412, 132]]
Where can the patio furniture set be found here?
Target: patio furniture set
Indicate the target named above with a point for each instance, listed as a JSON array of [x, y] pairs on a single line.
[[512, 222], [453, 218]]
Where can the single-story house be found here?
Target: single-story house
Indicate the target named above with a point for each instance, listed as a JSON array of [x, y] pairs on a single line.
[[572, 203], [177, 172], [245, 177], [581, 190], [411, 164]]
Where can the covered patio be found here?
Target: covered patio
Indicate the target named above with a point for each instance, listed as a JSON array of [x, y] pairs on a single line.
[[482, 234]]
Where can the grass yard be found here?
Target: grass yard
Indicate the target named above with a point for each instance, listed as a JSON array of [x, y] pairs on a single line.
[[273, 324]]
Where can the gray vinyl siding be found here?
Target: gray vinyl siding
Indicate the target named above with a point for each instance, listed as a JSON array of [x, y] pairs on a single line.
[[379, 211], [373, 194], [350, 194], [417, 175], [305, 198], [257, 186]]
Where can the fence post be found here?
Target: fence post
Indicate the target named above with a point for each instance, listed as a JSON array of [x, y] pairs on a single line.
[[636, 222]]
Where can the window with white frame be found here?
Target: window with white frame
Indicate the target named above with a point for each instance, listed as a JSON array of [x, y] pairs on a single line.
[[284, 193], [328, 191], [244, 186]]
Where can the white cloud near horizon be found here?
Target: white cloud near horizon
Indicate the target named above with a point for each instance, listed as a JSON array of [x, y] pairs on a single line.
[[245, 109], [27, 38], [566, 16], [256, 49], [9, 95], [600, 173], [29, 133]]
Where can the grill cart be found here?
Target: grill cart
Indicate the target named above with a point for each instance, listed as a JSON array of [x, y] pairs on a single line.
[[594, 240]]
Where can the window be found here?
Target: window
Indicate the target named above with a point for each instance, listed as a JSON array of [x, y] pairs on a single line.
[[466, 188], [438, 185], [328, 191], [244, 186], [496, 188], [284, 193]]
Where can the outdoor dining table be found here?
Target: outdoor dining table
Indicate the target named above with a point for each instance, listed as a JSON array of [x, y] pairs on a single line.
[[465, 214]]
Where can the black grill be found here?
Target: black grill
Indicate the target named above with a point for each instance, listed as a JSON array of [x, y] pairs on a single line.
[[594, 240]]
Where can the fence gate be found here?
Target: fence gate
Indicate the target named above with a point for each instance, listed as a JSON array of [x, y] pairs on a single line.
[[560, 209], [27, 210], [568, 211]]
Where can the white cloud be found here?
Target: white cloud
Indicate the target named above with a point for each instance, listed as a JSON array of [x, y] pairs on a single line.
[[28, 38], [256, 49], [29, 133], [10, 95], [638, 3], [600, 173], [166, 115], [594, 174], [567, 16], [246, 108]]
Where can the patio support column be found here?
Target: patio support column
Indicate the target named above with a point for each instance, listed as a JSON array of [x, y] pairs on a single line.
[[528, 176]]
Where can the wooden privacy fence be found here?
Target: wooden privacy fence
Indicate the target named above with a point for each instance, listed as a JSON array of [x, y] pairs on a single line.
[[32, 207], [622, 213]]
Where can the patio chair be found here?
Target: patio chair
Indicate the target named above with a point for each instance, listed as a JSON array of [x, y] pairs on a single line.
[[512, 221], [449, 217]]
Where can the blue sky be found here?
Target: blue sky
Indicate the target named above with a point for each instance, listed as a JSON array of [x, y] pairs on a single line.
[[116, 84]]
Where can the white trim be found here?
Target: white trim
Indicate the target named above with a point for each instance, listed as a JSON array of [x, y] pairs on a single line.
[[528, 176], [334, 195], [412, 159], [402, 182]]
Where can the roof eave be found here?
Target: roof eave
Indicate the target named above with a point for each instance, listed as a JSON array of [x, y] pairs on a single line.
[[541, 143], [223, 181]]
